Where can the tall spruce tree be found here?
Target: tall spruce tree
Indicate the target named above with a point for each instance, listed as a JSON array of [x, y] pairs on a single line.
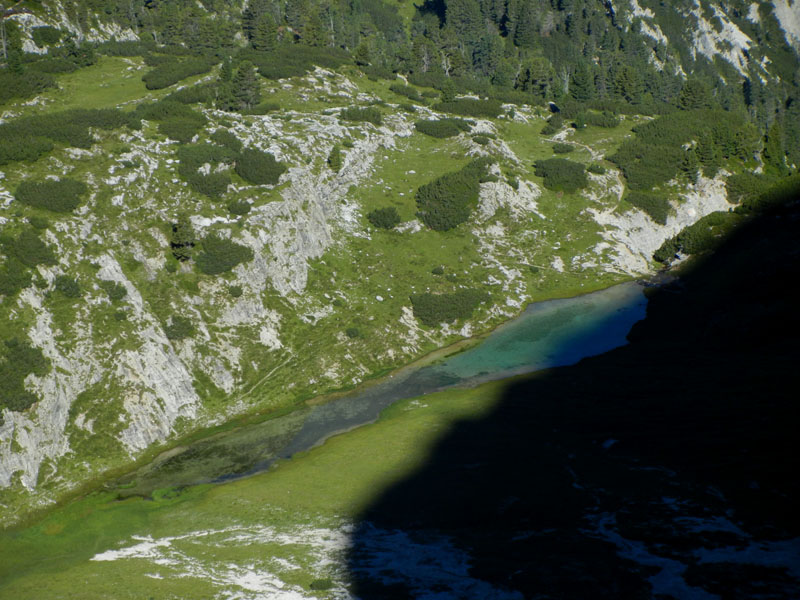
[[774, 154], [264, 35], [464, 18], [582, 84], [245, 86]]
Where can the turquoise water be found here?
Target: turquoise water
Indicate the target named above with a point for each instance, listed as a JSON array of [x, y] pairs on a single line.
[[546, 334], [549, 334]]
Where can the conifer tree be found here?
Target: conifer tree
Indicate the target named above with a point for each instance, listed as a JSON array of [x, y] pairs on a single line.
[[707, 154], [264, 34], [464, 18], [582, 84], [526, 32], [183, 238], [628, 84], [225, 99], [773, 154], [314, 33], [487, 55], [537, 77], [297, 12], [335, 159], [245, 86], [251, 16], [690, 164], [361, 55], [694, 94], [448, 90]]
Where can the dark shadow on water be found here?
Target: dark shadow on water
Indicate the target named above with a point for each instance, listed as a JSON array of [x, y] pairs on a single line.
[[667, 468]]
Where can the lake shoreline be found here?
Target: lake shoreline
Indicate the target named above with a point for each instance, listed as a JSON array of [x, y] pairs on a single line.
[[112, 479]]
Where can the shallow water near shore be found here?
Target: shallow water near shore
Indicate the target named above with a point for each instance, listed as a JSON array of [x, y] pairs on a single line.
[[547, 334]]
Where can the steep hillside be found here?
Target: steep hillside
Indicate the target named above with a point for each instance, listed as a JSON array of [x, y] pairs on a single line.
[[184, 241]]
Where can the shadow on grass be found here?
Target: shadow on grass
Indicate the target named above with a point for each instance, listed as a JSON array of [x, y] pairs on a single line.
[[663, 469]]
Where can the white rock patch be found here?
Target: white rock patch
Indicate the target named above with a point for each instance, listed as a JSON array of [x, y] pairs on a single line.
[[634, 236]]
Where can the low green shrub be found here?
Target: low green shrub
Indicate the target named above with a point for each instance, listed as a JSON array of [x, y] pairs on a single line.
[[447, 201], [560, 174], [563, 148], [67, 286], [181, 130], [38, 222], [321, 585], [14, 276], [407, 91], [18, 360], [368, 114], [227, 140], [433, 309], [658, 207], [193, 94], [745, 186], [294, 60], [471, 107], [178, 328], [604, 119], [262, 108], [352, 332], [553, 125], [213, 185], [596, 168], [172, 71], [258, 167], [166, 110], [239, 207], [23, 86], [780, 192], [116, 291], [155, 59], [45, 35], [29, 249], [54, 65], [442, 128], [57, 195], [384, 218], [193, 156], [235, 291], [335, 160], [375, 72], [704, 235], [220, 255], [27, 138], [127, 48], [481, 140], [656, 155], [18, 148]]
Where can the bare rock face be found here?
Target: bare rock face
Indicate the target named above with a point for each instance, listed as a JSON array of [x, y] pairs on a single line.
[[286, 235], [152, 378], [57, 17], [633, 236], [28, 439]]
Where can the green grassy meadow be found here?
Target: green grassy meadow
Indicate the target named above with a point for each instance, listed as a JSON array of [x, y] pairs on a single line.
[[325, 487]]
